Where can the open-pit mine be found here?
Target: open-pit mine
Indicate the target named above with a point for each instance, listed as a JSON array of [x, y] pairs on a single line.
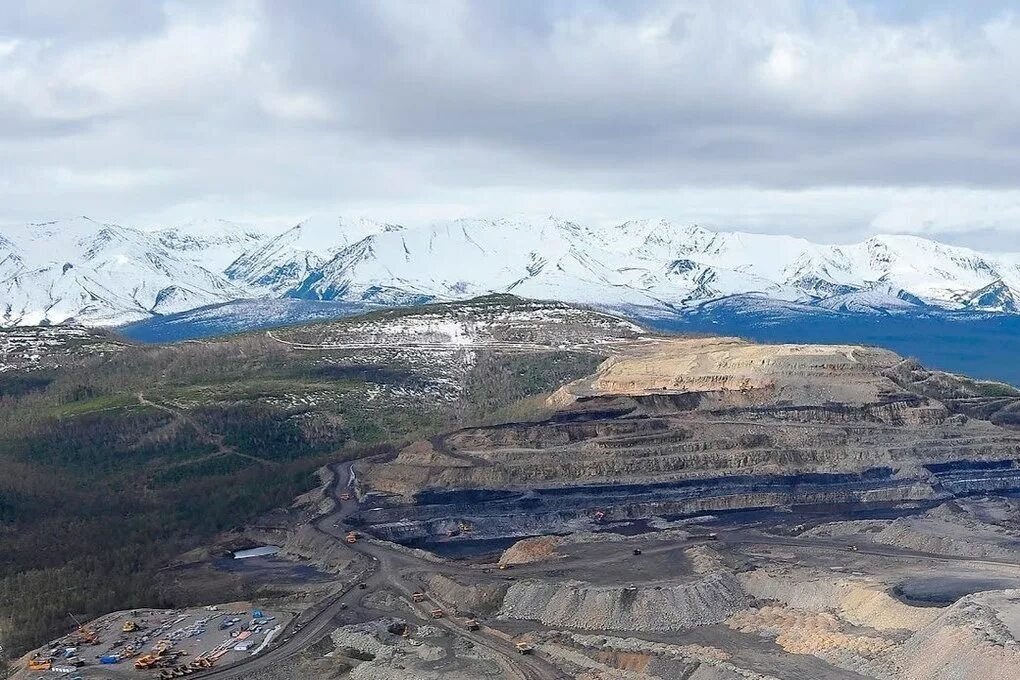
[[694, 509], [713, 508]]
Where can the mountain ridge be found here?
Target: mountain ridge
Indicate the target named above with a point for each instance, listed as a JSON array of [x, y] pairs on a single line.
[[100, 273]]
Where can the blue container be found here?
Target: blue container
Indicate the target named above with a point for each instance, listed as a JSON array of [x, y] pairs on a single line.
[[109, 659]]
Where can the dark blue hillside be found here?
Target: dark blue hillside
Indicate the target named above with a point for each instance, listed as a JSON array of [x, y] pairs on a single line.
[[236, 317]]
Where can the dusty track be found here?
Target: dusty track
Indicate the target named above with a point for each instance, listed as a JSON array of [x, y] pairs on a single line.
[[222, 448]]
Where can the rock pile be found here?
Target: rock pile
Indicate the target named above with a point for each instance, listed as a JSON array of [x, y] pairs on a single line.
[[531, 550], [574, 604]]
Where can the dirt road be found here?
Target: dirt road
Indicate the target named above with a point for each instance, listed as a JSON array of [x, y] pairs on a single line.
[[389, 569]]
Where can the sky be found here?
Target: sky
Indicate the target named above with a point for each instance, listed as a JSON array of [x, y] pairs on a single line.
[[829, 120]]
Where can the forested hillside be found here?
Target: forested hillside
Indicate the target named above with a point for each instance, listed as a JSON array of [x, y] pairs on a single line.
[[115, 462]]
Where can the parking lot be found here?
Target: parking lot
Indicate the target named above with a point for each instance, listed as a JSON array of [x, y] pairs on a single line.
[[159, 643]]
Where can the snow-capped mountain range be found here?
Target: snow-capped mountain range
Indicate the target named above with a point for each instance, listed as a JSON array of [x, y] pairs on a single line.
[[107, 274]]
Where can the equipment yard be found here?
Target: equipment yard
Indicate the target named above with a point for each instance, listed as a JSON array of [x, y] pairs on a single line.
[[158, 643]]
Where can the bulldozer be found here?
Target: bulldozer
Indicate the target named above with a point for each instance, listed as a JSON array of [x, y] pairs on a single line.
[[149, 660], [39, 663]]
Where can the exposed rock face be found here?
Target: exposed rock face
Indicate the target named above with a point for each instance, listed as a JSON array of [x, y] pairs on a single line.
[[709, 599], [481, 599], [970, 528], [974, 638], [322, 550], [688, 426], [738, 372], [857, 602]]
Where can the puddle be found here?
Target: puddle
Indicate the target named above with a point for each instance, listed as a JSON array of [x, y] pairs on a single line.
[[940, 591], [271, 568]]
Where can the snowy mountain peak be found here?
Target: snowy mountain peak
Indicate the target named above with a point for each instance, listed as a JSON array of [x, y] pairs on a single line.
[[106, 273], [99, 273], [285, 261]]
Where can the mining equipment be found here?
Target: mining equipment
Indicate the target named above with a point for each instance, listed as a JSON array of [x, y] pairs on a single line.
[[704, 537], [38, 663], [84, 636], [437, 613], [149, 660], [418, 596], [523, 648], [351, 537]]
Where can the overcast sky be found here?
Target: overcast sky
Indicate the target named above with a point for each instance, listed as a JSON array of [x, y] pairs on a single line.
[[827, 120]]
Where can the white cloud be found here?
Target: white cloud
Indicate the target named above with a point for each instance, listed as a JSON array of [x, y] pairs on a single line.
[[198, 54], [830, 120]]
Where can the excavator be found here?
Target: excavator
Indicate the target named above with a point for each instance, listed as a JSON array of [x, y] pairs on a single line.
[[83, 636], [351, 537], [129, 626]]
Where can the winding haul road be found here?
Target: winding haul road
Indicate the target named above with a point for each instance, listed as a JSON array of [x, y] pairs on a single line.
[[389, 569]]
